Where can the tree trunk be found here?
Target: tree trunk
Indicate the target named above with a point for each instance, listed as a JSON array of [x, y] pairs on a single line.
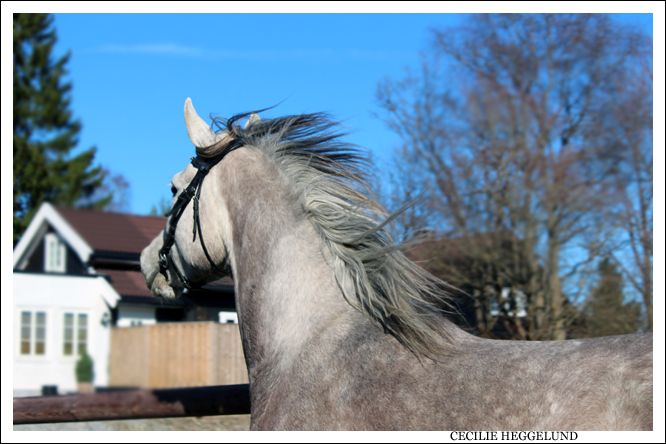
[[555, 290]]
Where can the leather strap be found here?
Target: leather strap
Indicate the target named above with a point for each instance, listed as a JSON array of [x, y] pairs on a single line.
[[192, 192]]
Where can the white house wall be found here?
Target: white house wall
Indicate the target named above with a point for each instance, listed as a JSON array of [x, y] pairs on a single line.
[[57, 295]]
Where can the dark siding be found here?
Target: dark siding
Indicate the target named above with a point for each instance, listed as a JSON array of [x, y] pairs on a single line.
[[35, 263], [74, 264], [169, 314]]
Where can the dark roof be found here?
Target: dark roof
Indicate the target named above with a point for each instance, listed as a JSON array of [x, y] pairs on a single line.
[[118, 232], [127, 282]]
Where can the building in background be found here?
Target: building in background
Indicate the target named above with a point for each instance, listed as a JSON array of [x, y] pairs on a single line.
[[76, 276]]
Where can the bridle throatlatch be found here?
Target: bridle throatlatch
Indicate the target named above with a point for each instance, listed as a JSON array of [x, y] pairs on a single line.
[[192, 192]]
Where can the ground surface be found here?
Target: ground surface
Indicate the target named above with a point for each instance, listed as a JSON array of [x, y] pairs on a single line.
[[230, 422]]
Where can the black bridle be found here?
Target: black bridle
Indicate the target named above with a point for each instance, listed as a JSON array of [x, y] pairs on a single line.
[[192, 192]]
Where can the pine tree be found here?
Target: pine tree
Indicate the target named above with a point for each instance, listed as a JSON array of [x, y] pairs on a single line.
[[608, 314], [44, 129]]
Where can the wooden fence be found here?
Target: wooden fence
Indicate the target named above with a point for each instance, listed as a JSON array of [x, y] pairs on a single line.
[[182, 354]]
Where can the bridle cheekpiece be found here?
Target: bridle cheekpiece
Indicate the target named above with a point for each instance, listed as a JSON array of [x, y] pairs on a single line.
[[191, 193]]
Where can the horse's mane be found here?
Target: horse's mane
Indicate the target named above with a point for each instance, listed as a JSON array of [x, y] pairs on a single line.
[[371, 270]]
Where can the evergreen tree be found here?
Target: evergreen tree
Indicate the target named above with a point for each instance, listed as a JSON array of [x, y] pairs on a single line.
[[607, 313], [44, 129]]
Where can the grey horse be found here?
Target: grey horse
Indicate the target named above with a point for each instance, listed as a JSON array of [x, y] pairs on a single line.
[[340, 330]]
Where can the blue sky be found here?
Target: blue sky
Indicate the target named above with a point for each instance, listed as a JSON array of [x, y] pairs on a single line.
[[131, 74]]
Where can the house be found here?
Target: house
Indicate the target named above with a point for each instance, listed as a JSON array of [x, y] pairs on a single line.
[[477, 300], [76, 275]]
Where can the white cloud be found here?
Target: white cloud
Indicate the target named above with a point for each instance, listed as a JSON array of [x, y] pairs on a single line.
[[172, 49], [155, 48]]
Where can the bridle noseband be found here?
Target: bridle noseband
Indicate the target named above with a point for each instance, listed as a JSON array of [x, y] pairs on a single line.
[[192, 192]]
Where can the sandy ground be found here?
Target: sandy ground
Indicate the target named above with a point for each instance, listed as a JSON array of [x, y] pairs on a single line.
[[230, 422]]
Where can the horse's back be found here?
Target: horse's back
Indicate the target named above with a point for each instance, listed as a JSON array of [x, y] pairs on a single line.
[[590, 384], [625, 398]]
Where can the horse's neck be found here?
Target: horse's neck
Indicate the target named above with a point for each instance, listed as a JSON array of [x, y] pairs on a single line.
[[286, 292]]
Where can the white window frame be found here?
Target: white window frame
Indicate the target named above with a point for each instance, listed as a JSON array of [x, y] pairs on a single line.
[[520, 302], [228, 317], [33, 333], [75, 333], [54, 253]]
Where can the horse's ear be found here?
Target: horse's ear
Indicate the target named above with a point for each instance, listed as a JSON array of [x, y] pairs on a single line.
[[200, 134], [254, 118]]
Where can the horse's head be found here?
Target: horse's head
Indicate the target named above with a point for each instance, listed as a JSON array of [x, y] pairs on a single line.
[[192, 250]]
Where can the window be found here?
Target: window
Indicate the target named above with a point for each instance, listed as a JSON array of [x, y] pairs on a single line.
[[519, 301], [228, 317], [33, 333], [494, 306], [521, 304], [75, 334], [54, 253]]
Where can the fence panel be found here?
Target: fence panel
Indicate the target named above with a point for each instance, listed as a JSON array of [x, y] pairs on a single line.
[[183, 354], [130, 357], [230, 366]]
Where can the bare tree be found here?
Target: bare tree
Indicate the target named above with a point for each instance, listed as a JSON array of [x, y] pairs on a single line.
[[520, 177], [117, 188], [631, 130], [407, 186]]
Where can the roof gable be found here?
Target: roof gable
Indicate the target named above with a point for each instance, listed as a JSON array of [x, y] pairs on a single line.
[[88, 231], [48, 216]]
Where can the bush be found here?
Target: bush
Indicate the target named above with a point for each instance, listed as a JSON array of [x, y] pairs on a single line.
[[84, 368]]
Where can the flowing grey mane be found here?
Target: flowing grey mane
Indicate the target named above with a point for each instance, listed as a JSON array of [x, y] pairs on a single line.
[[371, 270]]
